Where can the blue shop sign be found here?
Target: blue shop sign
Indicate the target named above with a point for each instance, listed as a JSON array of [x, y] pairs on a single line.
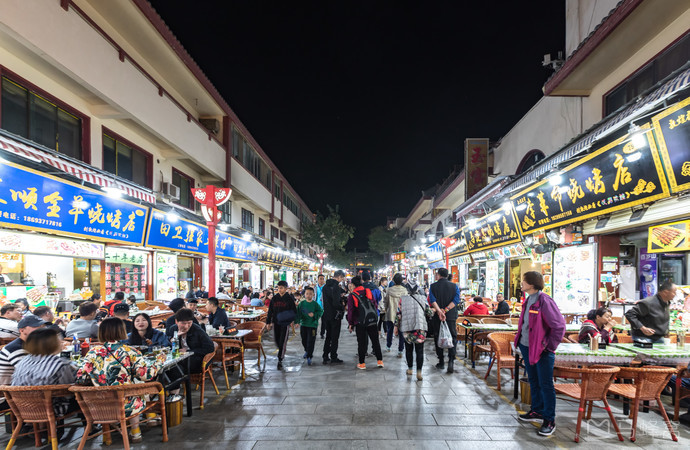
[[32, 200], [171, 232], [232, 247]]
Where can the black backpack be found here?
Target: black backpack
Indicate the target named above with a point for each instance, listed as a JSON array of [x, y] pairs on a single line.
[[367, 311]]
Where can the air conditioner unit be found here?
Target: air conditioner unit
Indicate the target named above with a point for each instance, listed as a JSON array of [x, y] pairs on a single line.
[[212, 125], [170, 190]]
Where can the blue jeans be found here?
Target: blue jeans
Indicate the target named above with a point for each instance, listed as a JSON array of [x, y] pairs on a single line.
[[390, 328], [541, 383]]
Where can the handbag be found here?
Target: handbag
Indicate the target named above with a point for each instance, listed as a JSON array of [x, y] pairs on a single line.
[[286, 317]]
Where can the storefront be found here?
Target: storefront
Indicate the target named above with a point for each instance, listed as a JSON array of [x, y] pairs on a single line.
[[46, 269], [127, 270]]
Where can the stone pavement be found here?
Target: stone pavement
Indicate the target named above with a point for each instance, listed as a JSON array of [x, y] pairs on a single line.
[[340, 407]]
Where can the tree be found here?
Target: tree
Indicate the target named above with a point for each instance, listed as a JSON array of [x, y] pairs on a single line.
[[328, 232], [384, 241]]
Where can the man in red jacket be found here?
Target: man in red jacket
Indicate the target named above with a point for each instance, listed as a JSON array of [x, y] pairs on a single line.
[[477, 308]]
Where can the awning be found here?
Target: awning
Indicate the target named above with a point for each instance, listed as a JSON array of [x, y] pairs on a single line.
[[605, 127], [487, 192], [80, 171]]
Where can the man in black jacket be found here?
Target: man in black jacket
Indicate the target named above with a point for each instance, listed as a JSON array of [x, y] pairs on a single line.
[[333, 313], [649, 317], [217, 317], [176, 305], [191, 337], [282, 305], [444, 297]]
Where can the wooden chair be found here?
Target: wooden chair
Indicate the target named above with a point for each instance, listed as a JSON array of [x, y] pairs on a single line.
[[206, 371], [624, 338], [5, 341], [648, 382], [573, 337], [34, 404], [253, 341], [106, 405], [594, 384], [226, 353], [501, 354], [679, 392], [493, 321]]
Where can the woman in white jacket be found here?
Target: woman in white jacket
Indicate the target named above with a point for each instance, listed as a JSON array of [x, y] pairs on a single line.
[[391, 301], [412, 326]]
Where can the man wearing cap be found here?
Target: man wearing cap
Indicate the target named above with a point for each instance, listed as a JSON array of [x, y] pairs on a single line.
[[121, 311], [86, 325], [14, 351]]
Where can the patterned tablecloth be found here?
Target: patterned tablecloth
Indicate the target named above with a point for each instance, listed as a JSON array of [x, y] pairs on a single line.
[[244, 315], [569, 327], [659, 353], [581, 354]]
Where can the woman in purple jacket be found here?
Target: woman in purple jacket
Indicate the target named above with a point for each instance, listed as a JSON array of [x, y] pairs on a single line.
[[540, 330]]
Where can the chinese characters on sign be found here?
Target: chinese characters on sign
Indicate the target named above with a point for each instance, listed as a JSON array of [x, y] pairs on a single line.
[[612, 178], [174, 233], [395, 257], [41, 202], [497, 228], [232, 247], [476, 165], [672, 129], [434, 255]]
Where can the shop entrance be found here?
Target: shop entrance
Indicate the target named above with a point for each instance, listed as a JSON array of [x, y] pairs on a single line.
[[87, 276], [518, 267]]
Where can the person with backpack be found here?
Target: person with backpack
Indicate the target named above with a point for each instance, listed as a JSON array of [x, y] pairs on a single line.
[[362, 317], [377, 295], [390, 310], [412, 324]]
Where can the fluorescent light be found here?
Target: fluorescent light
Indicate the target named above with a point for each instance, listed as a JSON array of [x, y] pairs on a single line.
[[555, 179], [634, 156], [113, 192], [639, 140], [80, 204], [521, 207], [507, 207], [247, 237], [450, 229], [172, 216]]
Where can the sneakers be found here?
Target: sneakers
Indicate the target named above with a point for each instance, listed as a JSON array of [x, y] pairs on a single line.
[[547, 428], [135, 438], [409, 371], [304, 356], [326, 361], [388, 349], [379, 364], [280, 365], [531, 417], [399, 354], [309, 361], [361, 366], [336, 361], [440, 365]]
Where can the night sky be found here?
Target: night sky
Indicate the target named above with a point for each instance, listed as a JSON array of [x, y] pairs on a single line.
[[364, 104]]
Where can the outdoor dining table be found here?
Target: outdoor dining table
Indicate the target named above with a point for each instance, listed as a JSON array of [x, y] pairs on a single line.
[[245, 315], [164, 376], [660, 354], [474, 328], [580, 354]]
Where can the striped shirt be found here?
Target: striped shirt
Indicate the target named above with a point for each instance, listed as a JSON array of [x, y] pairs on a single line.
[[41, 370], [10, 355]]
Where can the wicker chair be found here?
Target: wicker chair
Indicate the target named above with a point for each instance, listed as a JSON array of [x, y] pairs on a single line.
[[481, 344], [624, 338], [253, 341], [501, 354], [225, 354], [648, 382], [106, 405], [34, 404], [5, 341], [679, 392], [514, 320], [206, 370], [494, 321], [573, 337], [594, 384]]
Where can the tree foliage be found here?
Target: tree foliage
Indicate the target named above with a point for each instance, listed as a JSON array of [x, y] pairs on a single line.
[[328, 232], [383, 241]]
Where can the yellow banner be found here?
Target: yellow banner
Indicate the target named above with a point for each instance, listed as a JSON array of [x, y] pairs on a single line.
[[670, 237]]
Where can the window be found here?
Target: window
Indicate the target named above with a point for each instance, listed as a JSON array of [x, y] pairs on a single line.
[[274, 233], [125, 160], [276, 190], [262, 227], [290, 203], [33, 116], [530, 159], [226, 212], [185, 183], [655, 71], [250, 159], [247, 220], [283, 237]]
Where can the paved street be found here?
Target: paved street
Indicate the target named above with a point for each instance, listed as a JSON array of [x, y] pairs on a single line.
[[341, 407]]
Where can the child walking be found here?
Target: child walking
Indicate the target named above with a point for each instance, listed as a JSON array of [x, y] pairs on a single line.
[[308, 314]]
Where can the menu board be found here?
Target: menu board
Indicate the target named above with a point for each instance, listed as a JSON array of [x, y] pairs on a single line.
[[574, 278], [125, 271], [166, 276], [491, 279], [669, 237]]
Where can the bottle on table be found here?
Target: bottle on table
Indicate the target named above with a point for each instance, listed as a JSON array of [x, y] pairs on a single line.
[[175, 346]]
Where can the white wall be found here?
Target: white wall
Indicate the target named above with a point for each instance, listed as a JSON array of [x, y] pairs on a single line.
[[549, 125], [582, 16]]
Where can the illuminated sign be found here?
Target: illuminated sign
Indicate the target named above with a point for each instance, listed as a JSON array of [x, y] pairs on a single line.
[[672, 128], [670, 237], [398, 256], [171, 232], [496, 229], [32, 200]]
